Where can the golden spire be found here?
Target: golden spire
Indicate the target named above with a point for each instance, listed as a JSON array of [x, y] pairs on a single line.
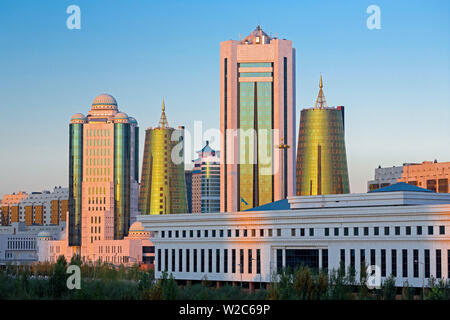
[[163, 120], [321, 102]]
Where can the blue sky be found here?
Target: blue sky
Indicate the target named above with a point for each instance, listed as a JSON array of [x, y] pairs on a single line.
[[394, 82]]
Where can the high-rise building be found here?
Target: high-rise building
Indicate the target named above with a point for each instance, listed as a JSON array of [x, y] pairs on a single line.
[[257, 113], [103, 190], [206, 181], [321, 156], [103, 173], [431, 175], [163, 185]]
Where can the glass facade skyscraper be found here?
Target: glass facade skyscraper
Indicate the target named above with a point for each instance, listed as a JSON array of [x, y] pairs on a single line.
[[257, 114], [103, 190]]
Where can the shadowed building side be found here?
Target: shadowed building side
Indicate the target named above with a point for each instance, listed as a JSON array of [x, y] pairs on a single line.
[[321, 156]]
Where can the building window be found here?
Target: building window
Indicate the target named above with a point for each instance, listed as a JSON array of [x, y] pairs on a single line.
[[343, 258], [386, 231], [180, 260], [270, 232], [336, 231], [221, 233], [430, 230], [261, 232], [199, 234], [408, 231], [278, 232], [217, 260], [372, 257], [229, 233], [202, 260], [236, 233], [415, 263], [441, 229], [345, 231], [325, 259], [362, 260], [170, 234], [448, 263], [394, 262], [195, 260], [163, 234], [258, 261], [213, 233], [356, 231], [405, 263], [279, 260], [225, 260], [209, 260], [173, 260], [292, 232], [352, 258], [383, 262], [166, 260], [191, 233], [397, 231], [184, 233], [438, 264], [366, 231], [233, 260], [250, 261], [302, 232], [419, 230], [376, 231], [159, 259], [245, 233], [427, 263], [241, 261], [253, 233], [327, 232], [188, 260], [205, 233], [311, 232]]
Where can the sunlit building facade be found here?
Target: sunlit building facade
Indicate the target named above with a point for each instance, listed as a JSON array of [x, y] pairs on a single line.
[[103, 188], [431, 175], [257, 114], [321, 156], [163, 185], [402, 233], [36, 208]]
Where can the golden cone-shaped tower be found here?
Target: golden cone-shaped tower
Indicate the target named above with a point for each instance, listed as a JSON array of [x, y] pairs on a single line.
[[321, 156], [163, 186]]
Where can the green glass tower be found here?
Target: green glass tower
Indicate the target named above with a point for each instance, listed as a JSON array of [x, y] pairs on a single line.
[[321, 156], [163, 185], [75, 178]]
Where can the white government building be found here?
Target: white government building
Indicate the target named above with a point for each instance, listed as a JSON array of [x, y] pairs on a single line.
[[402, 229]]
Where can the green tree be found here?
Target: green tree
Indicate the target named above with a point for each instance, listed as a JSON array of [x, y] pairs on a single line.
[[389, 289], [58, 278]]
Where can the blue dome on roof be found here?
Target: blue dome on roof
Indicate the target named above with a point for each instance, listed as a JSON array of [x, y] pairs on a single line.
[[401, 186]]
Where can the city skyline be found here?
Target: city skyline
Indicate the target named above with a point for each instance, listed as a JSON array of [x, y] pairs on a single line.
[[391, 106]]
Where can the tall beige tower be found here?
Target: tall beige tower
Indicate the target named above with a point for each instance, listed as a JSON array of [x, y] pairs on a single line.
[[257, 115]]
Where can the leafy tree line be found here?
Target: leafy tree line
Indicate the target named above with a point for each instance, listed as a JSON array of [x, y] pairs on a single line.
[[105, 281]]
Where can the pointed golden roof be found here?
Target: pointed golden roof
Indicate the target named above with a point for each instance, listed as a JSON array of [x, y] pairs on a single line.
[[163, 120], [321, 102]]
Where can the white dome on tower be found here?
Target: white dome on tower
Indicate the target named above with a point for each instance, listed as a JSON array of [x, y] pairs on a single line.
[[104, 99]]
